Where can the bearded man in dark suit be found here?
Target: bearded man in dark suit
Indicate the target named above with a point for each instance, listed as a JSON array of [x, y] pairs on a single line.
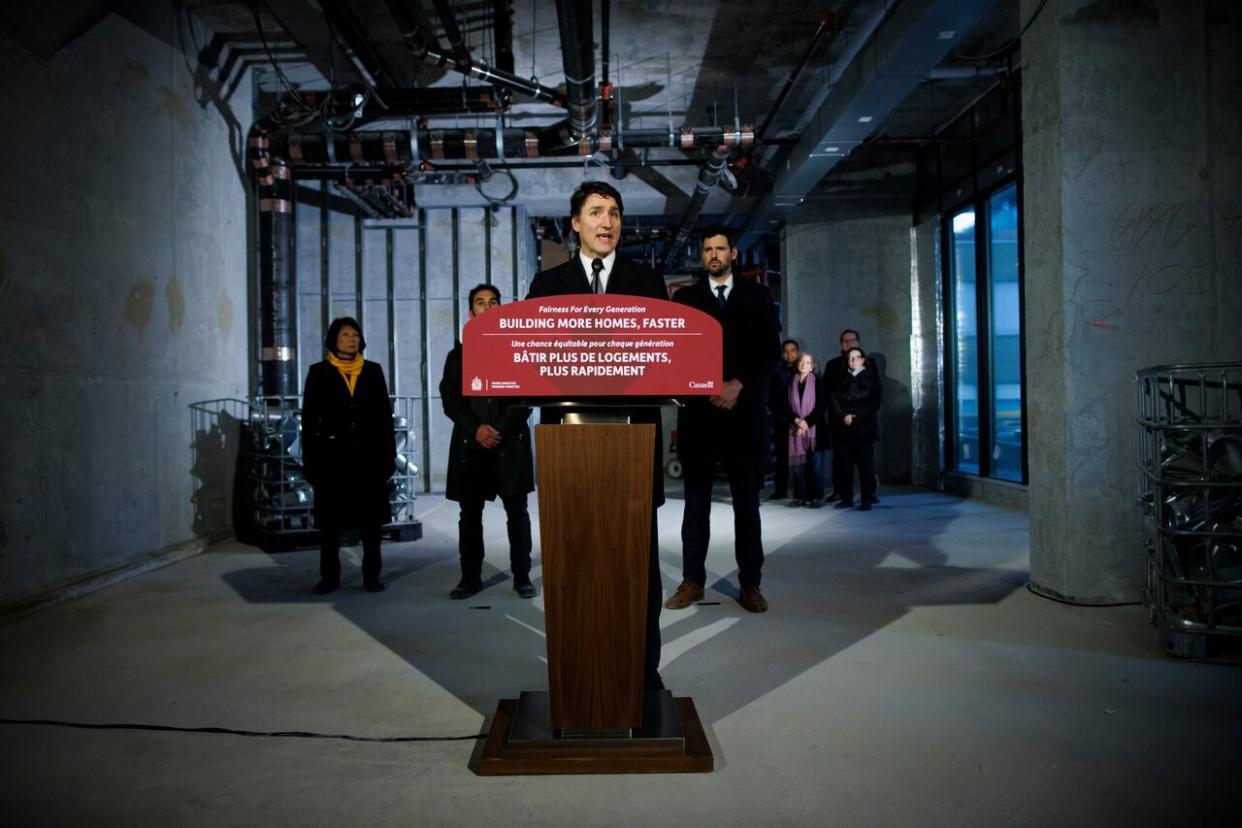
[[595, 212], [728, 427]]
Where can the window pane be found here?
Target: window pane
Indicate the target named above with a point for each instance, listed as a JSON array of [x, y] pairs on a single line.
[[965, 341], [1006, 324]]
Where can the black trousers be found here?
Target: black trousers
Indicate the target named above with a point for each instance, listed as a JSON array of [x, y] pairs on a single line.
[[744, 483], [857, 455], [470, 536], [330, 553]]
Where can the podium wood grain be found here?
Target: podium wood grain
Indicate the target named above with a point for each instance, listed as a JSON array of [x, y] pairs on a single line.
[[595, 532]]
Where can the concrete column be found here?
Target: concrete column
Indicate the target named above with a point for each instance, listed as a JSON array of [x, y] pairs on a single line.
[[856, 274], [1132, 220]]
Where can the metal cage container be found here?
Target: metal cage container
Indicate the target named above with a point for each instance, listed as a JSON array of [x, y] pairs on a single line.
[[281, 508], [1190, 494]]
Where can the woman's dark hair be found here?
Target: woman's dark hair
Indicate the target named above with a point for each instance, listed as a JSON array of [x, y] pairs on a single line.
[[856, 348], [589, 188], [334, 330]]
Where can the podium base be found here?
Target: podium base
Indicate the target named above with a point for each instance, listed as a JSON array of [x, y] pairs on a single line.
[[521, 741]]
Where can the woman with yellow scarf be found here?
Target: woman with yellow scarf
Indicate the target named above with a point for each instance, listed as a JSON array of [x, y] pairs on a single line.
[[348, 452]]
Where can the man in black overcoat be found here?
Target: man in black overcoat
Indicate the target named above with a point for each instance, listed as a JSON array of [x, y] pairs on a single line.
[[489, 455], [778, 406], [595, 212], [728, 427], [835, 372]]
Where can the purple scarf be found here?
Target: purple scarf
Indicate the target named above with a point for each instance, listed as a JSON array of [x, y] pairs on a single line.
[[801, 404]]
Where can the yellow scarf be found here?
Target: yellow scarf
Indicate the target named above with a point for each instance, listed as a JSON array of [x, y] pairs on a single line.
[[349, 370]]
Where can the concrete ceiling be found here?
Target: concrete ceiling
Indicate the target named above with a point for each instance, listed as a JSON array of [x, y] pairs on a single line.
[[689, 63]]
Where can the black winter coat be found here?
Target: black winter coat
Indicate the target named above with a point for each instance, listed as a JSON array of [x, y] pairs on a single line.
[[858, 395], [348, 446], [751, 350], [475, 472], [628, 278]]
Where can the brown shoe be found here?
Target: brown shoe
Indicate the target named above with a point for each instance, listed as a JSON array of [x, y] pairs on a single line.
[[752, 600], [687, 593]]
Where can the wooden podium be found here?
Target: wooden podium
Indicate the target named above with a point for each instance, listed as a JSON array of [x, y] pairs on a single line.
[[594, 477]]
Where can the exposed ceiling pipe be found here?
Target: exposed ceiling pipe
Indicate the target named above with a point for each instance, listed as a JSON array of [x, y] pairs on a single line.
[[708, 176], [826, 24], [316, 148], [277, 255], [578, 58], [497, 77], [449, 21], [348, 29]]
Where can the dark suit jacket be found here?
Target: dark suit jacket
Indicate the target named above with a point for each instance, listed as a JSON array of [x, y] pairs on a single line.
[[628, 278], [348, 445], [473, 471], [751, 350]]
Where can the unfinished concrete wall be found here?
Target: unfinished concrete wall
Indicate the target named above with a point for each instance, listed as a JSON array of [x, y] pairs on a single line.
[[856, 274], [123, 289], [1133, 241]]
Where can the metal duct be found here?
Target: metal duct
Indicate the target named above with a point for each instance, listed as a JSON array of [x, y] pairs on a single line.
[[277, 274], [913, 38], [578, 58], [708, 176]]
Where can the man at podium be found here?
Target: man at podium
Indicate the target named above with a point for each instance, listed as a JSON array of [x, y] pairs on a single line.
[[595, 212]]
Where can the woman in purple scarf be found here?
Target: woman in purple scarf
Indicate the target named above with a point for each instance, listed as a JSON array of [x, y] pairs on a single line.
[[804, 459]]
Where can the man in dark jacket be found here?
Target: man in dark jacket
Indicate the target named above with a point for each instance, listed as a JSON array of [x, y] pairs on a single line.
[[728, 427], [835, 373], [595, 211], [489, 455], [778, 406]]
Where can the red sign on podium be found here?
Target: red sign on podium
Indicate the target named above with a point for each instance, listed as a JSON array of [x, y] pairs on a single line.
[[584, 345]]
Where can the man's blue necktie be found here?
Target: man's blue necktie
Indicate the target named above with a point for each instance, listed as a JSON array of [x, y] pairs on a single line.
[[720, 291]]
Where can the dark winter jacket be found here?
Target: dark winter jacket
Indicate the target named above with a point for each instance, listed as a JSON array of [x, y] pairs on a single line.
[[348, 445], [475, 472]]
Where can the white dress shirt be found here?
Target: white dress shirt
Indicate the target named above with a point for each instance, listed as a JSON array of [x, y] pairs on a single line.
[[609, 260]]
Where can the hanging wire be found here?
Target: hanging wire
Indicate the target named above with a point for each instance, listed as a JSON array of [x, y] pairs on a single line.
[[289, 87]]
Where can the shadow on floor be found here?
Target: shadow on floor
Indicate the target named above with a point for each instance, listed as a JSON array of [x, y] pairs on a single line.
[[832, 578]]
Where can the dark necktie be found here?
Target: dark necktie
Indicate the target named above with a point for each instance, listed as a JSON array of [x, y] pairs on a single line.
[[720, 289], [597, 265]]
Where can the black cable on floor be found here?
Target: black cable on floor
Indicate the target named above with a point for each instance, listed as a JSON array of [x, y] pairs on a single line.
[[1035, 592], [275, 734]]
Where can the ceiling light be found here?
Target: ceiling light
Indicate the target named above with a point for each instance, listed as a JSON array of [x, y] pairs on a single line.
[[866, 119], [946, 35]]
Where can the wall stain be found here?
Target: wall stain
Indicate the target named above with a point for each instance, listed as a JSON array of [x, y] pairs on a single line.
[[138, 304], [882, 313], [133, 74], [224, 314], [173, 106], [176, 304]]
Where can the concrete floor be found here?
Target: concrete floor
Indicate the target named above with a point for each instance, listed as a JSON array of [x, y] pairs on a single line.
[[903, 676]]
